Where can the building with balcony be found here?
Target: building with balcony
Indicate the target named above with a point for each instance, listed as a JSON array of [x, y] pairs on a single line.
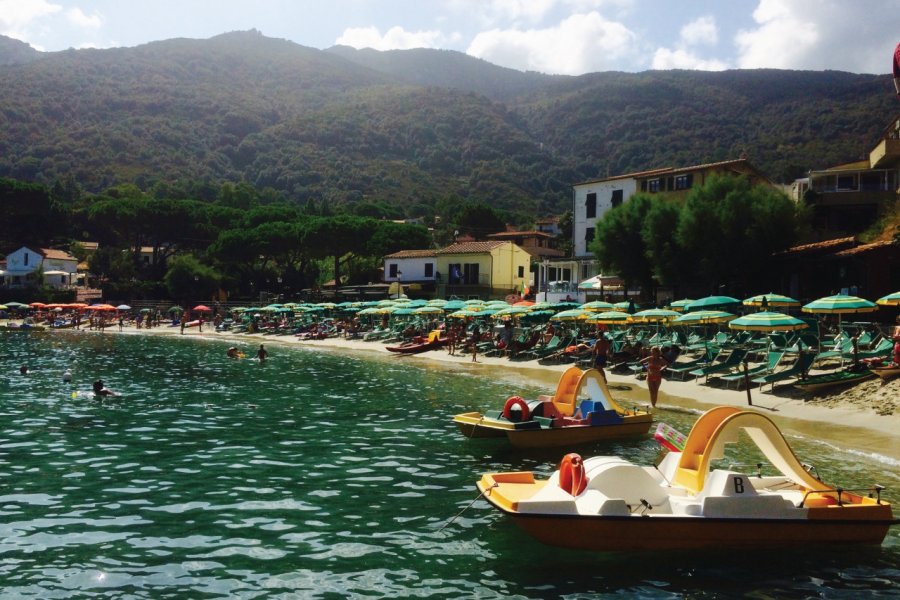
[[489, 269], [57, 268]]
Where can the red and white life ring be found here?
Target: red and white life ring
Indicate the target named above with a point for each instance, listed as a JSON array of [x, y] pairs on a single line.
[[572, 477], [516, 401]]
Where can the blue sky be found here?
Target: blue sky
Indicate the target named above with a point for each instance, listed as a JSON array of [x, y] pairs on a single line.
[[550, 36]]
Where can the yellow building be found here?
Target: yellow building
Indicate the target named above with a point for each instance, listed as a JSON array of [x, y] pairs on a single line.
[[492, 269]]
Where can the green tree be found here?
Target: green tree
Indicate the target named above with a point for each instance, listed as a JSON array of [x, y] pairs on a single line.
[[619, 243], [188, 279]]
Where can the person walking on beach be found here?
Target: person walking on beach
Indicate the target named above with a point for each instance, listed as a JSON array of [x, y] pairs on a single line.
[[655, 366], [262, 354], [476, 335], [600, 353]]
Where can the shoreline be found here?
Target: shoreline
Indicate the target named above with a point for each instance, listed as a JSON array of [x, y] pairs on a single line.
[[857, 416]]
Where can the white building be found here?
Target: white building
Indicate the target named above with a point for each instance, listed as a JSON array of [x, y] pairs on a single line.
[[58, 267], [411, 266]]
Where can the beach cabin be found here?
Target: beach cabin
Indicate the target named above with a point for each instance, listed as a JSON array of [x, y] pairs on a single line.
[[57, 267], [492, 269]]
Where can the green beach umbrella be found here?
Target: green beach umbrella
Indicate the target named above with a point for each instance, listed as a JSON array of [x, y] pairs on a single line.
[[386, 302], [452, 305], [16, 305], [437, 302], [175, 309], [597, 306], [418, 303], [840, 305], [625, 305], [767, 321], [462, 314], [474, 302], [889, 300], [403, 311], [771, 299], [711, 302], [428, 310], [704, 317], [511, 311], [680, 305], [3, 307], [611, 317]]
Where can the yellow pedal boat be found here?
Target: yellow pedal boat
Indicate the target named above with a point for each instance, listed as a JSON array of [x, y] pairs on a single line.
[[607, 503], [581, 411]]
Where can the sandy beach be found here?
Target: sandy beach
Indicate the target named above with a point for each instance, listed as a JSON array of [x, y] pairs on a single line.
[[864, 417]]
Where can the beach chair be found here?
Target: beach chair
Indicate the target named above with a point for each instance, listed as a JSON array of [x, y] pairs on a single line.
[[731, 362], [538, 352], [683, 368], [772, 360], [799, 369]]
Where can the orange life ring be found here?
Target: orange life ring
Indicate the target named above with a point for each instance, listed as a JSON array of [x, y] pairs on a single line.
[[572, 477], [513, 401]]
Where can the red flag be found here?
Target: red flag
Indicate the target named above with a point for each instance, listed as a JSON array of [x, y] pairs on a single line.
[[897, 69]]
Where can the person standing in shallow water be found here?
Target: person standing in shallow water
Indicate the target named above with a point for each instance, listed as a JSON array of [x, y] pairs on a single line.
[[262, 354], [655, 366]]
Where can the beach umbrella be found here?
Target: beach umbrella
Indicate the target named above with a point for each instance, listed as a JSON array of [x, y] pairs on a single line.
[[655, 315], [704, 317], [427, 310], [597, 306], [418, 303], [454, 305], [625, 306], [101, 307], [712, 302], [123, 307], [202, 308], [145, 310], [611, 317], [403, 311], [890, 300], [37, 305], [16, 305], [771, 299], [574, 314], [512, 311], [474, 302], [3, 307], [178, 309], [386, 302], [437, 302], [840, 305], [767, 321], [590, 284], [524, 303], [680, 305], [462, 314]]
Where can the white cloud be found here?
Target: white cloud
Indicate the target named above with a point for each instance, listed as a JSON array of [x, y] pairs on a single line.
[[395, 38], [77, 17], [665, 59], [820, 34], [580, 44], [17, 15], [700, 31]]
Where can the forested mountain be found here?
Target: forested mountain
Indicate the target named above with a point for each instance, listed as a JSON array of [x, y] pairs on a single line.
[[407, 128]]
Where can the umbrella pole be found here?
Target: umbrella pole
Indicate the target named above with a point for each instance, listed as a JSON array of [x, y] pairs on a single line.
[[747, 384]]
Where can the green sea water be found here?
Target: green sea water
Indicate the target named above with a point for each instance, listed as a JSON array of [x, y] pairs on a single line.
[[322, 474]]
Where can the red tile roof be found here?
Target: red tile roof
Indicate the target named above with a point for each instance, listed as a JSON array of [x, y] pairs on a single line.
[[470, 247], [544, 252], [671, 170], [863, 248], [53, 254], [412, 254], [824, 245], [514, 234]]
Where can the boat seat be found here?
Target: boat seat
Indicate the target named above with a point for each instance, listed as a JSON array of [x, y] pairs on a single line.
[[592, 502]]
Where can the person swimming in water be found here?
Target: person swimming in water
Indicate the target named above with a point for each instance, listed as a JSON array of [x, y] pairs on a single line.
[[232, 352], [102, 390]]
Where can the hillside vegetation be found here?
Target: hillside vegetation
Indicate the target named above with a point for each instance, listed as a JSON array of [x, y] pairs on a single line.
[[405, 128]]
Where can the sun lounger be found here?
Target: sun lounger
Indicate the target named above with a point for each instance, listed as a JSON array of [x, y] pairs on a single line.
[[686, 367], [733, 361], [798, 369], [773, 358]]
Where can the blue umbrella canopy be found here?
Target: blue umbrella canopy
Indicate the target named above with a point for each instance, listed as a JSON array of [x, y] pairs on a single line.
[[767, 321]]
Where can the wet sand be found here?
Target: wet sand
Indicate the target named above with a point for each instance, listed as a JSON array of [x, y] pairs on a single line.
[[864, 417]]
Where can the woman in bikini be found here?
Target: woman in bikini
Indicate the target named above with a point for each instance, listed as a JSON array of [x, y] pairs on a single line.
[[655, 366]]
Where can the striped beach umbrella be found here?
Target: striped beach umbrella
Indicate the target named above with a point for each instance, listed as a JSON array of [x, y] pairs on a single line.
[[654, 315], [611, 317], [840, 305], [889, 300], [597, 306], [680, 305], [704, 317], [713, 302], [767, 321], [574, 314], [771, 299]]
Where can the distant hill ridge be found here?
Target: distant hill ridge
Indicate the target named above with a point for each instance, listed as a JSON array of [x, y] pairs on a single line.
[[408, 127]]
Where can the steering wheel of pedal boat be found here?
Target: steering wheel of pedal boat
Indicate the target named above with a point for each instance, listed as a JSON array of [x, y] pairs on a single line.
[[523, 406], [572, 477]]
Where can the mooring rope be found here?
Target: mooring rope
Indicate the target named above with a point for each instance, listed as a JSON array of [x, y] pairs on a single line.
[[460, 513], [475, 426]]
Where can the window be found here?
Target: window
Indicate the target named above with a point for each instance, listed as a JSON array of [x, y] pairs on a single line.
[[653, 185], [470, 274], [617, 196], [456, 275], [26, 259], [846, 182], [392, 270], [429, 269], [521, 272], [590, 205], [684, 182], [589, 235], [567, 274]]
